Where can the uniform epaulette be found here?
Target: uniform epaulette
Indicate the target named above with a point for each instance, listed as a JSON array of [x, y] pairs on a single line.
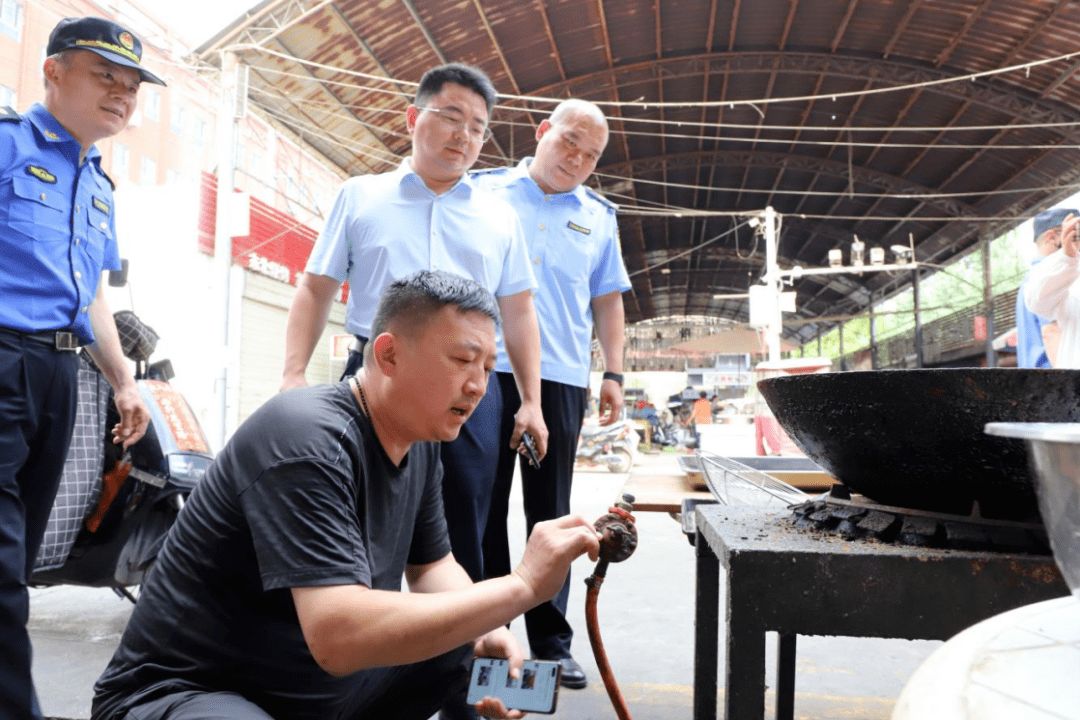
[[488, 171], [597, 195], [8, 114], [106, 176]]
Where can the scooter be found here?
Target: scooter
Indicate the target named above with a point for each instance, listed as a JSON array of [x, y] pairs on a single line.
[[114, 508], [613, 446]]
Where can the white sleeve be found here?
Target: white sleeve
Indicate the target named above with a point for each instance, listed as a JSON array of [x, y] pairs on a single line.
[[1047, 289]]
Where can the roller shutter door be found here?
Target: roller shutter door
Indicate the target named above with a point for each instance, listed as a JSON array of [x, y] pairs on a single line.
[[264, 312]]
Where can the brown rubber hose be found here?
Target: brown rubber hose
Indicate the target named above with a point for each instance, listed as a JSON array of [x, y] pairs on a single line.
[[594, 582]]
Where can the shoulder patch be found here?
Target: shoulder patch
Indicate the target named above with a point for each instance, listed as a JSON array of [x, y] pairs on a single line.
[[41, 174], [7, 114], [596, 195]]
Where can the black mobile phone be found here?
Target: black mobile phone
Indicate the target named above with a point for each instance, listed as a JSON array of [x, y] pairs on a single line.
[[530, 447], [535, 690]]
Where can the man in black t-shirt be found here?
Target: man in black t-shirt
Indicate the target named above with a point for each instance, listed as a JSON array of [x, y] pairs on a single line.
[[277, 592]]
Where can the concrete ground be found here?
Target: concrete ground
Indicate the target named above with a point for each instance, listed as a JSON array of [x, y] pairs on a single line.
[[645, 611]]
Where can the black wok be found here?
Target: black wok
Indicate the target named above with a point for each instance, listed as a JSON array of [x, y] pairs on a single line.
[[914, 438]]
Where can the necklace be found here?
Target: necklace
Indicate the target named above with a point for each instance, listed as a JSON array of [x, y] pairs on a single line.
[[363, 398]]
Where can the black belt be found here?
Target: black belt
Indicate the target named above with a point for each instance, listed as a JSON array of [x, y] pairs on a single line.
[[61, 340]]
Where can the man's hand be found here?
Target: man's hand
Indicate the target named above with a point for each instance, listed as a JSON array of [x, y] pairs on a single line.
[[530, 419], [1070, 239], [134, 416], [500, 643], [551, 548], [291, 381], [611, 402]]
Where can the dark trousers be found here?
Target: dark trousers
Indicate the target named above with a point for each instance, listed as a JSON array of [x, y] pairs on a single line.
[[546, 496], [355, 361], [469, 471], [37, 414], [478, 472], [404, 692]]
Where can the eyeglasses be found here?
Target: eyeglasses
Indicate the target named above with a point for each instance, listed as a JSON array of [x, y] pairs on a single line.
[[455, 121]]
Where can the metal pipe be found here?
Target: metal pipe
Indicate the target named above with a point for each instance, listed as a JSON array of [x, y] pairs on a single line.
[[918, 318], [988, 298]]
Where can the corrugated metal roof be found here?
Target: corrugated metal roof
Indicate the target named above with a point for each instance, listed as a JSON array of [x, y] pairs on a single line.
[[850, 160]]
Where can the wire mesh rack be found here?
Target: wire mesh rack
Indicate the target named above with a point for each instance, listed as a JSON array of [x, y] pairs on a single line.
[[733, 483]]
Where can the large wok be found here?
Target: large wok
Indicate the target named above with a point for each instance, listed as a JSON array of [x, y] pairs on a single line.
[[914, 438]]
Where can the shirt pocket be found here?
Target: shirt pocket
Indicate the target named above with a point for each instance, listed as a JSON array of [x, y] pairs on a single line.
[[38, 210], [99, 235]]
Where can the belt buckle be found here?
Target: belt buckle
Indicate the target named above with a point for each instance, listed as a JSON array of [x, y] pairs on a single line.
[[66, 342]]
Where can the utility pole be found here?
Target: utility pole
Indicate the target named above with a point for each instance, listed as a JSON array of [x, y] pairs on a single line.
[[226, 158]]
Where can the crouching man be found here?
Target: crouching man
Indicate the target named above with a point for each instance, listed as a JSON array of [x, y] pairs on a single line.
[[277, 593]]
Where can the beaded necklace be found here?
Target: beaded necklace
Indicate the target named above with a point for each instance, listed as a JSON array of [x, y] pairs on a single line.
[[363, 398]]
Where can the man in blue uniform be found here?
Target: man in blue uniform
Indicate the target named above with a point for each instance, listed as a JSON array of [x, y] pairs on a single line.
[[57, 235], [1037, 337], [573, 241]]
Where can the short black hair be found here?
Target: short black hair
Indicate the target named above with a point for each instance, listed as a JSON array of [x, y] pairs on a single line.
[[413, 300], [467, 76]]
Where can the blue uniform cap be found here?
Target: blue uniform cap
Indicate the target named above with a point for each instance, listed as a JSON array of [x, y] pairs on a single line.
[[1051, 219], [103, 37]]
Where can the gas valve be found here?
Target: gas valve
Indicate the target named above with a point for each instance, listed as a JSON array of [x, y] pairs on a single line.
[[619, 532]]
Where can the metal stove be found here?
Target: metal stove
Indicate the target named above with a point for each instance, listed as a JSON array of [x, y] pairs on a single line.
[[842, 565]]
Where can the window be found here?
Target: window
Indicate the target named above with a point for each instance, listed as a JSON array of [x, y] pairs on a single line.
[[148, 173], [120, 154], [8, 97], [199, 131], [11, 18], [152, 104], [176, 124]]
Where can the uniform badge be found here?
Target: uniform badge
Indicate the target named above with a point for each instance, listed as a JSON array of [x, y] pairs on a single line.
[[578, 228], [41, 174], [126, 40], [51, 135], [101, 205]]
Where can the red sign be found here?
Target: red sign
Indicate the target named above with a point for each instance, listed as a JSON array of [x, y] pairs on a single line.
[[980, 327], [278, 245]]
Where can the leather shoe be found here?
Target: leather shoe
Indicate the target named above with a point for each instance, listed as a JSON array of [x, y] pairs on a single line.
[[573, 676]]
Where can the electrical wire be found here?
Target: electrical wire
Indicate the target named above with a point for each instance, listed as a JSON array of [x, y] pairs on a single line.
[[907, 87], [694, 249]]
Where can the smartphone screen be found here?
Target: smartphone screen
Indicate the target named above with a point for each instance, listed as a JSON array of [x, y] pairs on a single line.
[[536, 690]]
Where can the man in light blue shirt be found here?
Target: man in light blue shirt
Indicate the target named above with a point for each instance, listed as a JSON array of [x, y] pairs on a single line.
[[425, 215], [573, 240]]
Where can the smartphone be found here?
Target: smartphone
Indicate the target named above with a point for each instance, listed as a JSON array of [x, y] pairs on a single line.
[[530, 447], [535, 690]]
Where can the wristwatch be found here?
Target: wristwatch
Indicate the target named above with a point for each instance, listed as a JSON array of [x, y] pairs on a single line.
[[617, 377]]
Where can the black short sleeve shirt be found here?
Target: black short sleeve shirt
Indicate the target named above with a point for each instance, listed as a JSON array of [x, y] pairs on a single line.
[[303, 495]]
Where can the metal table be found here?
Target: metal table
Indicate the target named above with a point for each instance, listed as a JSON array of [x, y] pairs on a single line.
[[797, 582]]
